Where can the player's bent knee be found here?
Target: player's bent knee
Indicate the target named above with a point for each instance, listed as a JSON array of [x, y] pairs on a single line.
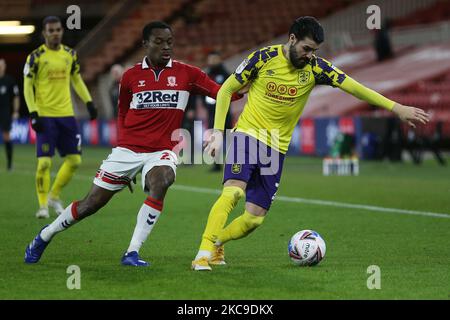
[[235, 183], [44, 163], [251, 221], [89, 206], [6, 136], [97, 198], [169, 178], [162, 179], [74, 160], [233, 192]]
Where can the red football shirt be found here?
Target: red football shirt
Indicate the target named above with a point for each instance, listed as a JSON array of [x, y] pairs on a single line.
[[152, 103]]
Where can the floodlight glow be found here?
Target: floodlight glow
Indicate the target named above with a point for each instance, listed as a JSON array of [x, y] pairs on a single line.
[[16, 30], [9, 23]]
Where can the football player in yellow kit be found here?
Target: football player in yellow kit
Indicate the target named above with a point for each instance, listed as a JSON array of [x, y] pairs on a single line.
[[48, 73], [281, 77]]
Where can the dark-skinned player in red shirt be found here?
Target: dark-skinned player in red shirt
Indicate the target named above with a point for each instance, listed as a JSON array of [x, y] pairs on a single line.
[[152, 97]]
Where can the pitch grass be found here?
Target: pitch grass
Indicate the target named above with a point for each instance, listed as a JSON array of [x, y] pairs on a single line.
[[412, 251]]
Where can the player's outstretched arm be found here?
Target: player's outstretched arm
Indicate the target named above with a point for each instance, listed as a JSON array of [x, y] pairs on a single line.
[[411, 115], [329, 74]]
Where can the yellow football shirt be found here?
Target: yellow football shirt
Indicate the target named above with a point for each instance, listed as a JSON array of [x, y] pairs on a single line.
[[279, 92], [47, 78]]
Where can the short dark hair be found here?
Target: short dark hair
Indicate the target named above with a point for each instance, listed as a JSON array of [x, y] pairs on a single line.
[[50, 19], [307, 27], [147, 31]]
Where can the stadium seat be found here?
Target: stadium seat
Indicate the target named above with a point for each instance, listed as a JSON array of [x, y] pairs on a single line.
[[127, 34], [231, 24], [439, 11]]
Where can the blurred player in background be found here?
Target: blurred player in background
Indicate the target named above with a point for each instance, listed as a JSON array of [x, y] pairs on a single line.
[[152, 99], [9, 94], [116, 73], [281, 77], [48, 73], [216, 71]]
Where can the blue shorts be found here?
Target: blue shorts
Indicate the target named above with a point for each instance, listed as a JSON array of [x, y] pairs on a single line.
[[257, 164], [60, 133]]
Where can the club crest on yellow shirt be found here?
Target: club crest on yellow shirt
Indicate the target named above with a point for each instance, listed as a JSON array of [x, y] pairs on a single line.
[[303, 77], [236, 168]]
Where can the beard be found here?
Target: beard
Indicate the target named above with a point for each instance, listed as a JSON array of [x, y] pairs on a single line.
[[296, 61]]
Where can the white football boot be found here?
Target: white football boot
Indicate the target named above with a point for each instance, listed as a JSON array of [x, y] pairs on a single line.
[[56, 204], [42, 213]]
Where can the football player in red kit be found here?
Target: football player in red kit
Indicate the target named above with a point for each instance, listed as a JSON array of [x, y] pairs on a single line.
[[152, 97]]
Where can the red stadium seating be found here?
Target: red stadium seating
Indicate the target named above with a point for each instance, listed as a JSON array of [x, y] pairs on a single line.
[[433, 95], [228, 26], [234, 25], [127, 34], [439, 11]]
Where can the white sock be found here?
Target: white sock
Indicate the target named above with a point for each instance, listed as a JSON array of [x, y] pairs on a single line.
[[203, 253], [146, 219], [66, 219]]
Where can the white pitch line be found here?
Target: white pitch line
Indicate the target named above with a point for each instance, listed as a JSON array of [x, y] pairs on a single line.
[[327, 203], [365, 207], [296, 200]]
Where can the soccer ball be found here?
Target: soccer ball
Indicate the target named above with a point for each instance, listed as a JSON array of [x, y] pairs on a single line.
[[306, 248]]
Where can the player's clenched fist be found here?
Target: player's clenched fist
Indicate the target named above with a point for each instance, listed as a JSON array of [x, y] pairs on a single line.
[[214, 143]]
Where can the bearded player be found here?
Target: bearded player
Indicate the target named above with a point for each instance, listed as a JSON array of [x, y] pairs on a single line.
[[281, 78]]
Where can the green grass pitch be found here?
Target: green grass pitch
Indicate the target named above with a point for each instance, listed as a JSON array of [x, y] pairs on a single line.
[[412, 251]]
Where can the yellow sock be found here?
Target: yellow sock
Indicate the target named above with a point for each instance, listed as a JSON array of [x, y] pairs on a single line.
[[65, 173], [240, 227], [43, 180], [218, 216]]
